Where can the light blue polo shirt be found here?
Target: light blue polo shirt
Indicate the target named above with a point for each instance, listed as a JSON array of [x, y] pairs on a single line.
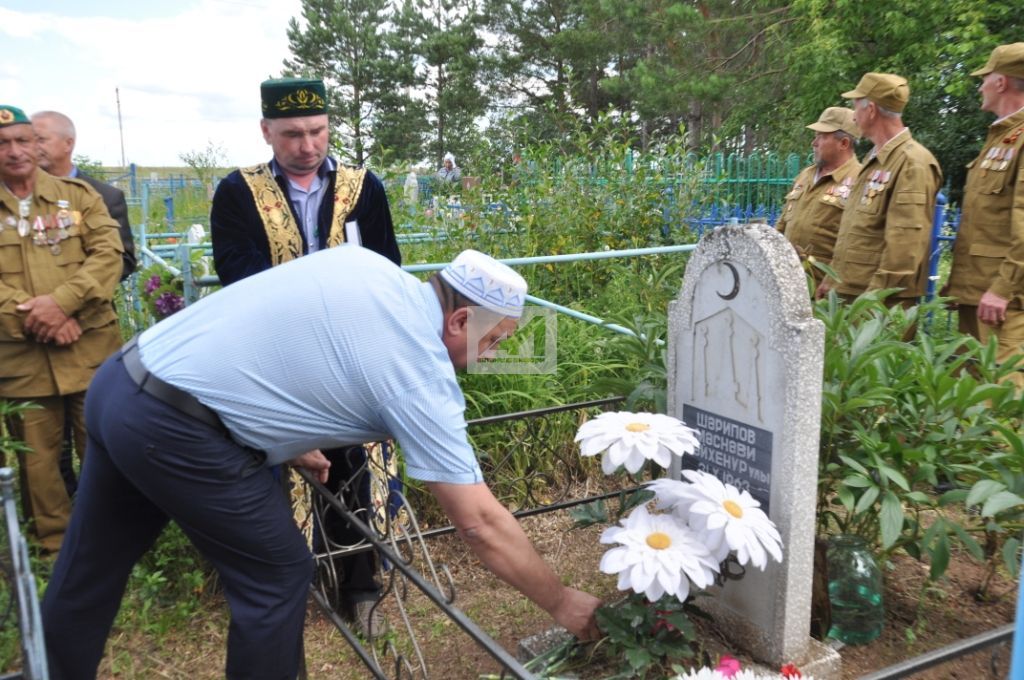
[[335, 348]]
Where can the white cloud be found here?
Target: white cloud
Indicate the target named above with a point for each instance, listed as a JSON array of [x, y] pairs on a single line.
[[184, 80]]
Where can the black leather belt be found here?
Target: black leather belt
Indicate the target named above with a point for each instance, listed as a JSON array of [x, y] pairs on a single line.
[[165, 392]]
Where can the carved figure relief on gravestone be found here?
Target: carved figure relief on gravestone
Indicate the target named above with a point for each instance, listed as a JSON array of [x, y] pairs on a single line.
[[727, 364]]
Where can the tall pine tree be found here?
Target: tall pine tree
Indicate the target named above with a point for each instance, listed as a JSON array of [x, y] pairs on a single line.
[[338, 41]]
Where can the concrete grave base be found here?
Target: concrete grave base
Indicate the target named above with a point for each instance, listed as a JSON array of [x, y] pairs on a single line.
[[535, 645]]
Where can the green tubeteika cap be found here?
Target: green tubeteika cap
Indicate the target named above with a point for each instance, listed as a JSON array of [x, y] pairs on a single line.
[[293, 97]]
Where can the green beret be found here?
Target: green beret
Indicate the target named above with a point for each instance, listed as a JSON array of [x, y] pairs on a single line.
[[12, 115], [885, 89], [291, 97]]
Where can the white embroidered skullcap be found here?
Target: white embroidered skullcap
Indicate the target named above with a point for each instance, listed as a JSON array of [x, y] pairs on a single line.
[[487, 282]]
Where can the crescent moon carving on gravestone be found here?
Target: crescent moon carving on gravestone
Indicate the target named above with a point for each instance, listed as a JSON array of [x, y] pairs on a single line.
[[735, 283]]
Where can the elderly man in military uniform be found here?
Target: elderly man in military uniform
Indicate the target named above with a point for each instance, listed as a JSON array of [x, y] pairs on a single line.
[[987, 278], [60, 260], [814, 206], [886, 228], [55, 134], [301, 202]]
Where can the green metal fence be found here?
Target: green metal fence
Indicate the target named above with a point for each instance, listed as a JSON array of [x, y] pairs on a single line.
[[753, 182]]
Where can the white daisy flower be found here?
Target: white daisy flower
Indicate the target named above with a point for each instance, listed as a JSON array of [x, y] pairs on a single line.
[[726, 518], [706, 673], [631, 438], [674, 495], [657, 555]]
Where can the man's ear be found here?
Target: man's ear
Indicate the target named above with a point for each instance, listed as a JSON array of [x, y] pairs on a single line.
[[457, 321]]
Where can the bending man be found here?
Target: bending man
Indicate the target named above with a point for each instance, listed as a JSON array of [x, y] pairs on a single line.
[[184, 424]]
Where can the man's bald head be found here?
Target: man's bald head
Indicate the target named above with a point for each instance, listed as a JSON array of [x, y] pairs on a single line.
[[55, 134]]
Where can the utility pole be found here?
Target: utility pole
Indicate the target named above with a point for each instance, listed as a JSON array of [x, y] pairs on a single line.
[[120, 128]]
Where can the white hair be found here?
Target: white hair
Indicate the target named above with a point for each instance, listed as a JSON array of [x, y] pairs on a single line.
[[882, 111]]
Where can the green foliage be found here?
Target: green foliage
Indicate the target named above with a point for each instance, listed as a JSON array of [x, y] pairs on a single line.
[[400, 124], [643, 640], [904, 419], [451, 51], [339, 42], [641, 377], [205, 162], [9, 410], [410, 81], [935, 44], [648, 638], [88, 165], [167, 587], [597, 511]]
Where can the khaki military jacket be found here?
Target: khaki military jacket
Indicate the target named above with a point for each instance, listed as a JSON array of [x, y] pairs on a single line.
[[989, 249], [810, 217], [79, 266], [886, 226]]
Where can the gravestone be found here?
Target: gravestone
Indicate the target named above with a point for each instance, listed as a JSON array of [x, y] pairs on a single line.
[[745, 365]]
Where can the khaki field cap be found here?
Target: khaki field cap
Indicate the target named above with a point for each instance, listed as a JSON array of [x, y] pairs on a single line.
[[1007, 60], [885, 89], [836, 118]]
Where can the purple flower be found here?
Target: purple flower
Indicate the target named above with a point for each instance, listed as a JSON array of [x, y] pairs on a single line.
[[168, 303], [153, 283]]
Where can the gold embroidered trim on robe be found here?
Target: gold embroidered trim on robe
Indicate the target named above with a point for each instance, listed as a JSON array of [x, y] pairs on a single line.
[[382, 467], [347, 187], [278, 221]]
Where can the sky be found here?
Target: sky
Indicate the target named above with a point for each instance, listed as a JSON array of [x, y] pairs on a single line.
[[187, 72]]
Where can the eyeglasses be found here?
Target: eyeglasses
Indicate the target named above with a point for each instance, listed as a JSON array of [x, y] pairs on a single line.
[[493, 346]]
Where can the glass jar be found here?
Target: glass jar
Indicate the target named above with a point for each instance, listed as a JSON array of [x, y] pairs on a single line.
[[854, 591]]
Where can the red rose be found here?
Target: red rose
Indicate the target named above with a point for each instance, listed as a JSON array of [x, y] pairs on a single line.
[[790, 671]]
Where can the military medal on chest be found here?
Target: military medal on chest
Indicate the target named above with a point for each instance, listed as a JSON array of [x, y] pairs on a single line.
[[838, 192], [997, 159], [64, 220], [843, 189], [24, 206], [47, 230], [875, 185], [1007, 157]]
